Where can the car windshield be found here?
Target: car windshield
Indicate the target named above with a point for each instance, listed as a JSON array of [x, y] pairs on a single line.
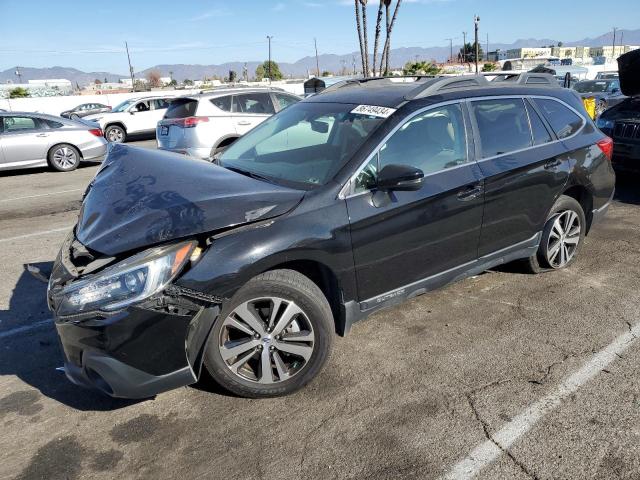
[[303, 146], [123, 106], [592, 86]]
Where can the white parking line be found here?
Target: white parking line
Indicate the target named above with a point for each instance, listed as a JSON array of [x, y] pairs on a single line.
[[26, 328], [42, 195], [487, 452], [35, 234]]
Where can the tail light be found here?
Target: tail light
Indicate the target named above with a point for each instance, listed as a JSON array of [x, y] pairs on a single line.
[[109, 107], [187, 122], [96, 131], [606, 145]]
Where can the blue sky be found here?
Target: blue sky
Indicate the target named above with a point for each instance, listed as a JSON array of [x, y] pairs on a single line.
[[90, 35]]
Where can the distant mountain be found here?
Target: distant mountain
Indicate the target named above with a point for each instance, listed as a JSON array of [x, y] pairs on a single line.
[[331, 62]]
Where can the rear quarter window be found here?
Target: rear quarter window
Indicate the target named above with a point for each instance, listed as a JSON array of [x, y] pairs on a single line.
[[223, 103], [182, 108], [564, 121]]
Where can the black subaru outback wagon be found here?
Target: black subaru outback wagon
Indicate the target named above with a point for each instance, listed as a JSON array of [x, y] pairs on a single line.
[[352, 200]]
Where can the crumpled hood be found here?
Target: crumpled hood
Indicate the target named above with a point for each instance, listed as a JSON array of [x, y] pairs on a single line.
[[142, 197], [629, 72]]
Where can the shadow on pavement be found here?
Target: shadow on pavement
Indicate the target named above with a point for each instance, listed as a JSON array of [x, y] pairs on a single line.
[[627, 188], [33, 355]]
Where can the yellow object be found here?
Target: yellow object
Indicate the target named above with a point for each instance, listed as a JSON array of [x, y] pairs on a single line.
[[590, 106]]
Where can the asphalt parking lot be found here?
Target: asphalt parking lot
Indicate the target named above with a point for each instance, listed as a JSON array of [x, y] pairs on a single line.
[[504, 375]]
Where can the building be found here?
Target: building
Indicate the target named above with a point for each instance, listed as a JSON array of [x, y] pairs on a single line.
[[528, 52], [49, 87], [609, 52], [497, 55]]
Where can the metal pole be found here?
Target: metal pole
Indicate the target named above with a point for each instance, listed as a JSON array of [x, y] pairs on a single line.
[[613, 53], [133, 83], [315, 44], [487, 53], [476, 21], [450, 49], [19, 75], [269, 37], [464, 47]]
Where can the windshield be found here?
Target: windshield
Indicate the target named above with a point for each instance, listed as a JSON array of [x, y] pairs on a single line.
[[123, 106], [593, 87], [304, 145]]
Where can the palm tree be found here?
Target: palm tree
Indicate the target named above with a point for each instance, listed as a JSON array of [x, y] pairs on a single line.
[[377, 38], [366, 39], [387, 42], [359, 27]]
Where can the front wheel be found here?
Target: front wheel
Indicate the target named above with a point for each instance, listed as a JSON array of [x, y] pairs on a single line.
[[562, 236], [272, 338]]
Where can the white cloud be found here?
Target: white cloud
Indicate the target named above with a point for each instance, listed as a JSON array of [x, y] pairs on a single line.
[[218, 12]]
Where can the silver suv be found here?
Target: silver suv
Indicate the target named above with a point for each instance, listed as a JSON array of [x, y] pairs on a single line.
[[205, 124]]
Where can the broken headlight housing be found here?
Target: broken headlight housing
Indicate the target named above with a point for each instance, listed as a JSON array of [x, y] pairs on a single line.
[[126, 282]]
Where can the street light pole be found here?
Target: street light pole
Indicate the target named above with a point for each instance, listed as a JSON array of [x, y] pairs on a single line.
[[269, 37], [315, 44], [133, 83], [476, 21], [613, 48], [450, 49], [464, 47]]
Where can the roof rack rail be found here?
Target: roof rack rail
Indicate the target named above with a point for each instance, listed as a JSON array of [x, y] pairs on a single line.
[[361, 80], [439, 84], [528, 78]]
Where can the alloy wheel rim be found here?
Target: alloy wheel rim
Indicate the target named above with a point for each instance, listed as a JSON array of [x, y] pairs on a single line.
[[564, 238], [65, 157], [116, 135], [266, 340]]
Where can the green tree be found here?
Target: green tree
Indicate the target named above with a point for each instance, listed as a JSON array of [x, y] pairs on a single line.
[[468, 53], [420, 68], [187, 82], [489, 67], [262, 71], [173, 83], [19, 92], [326, 73]]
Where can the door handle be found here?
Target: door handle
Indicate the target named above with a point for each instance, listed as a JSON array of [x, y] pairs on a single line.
[[42, 135], [470, 192], [244, 122], [552, 164]]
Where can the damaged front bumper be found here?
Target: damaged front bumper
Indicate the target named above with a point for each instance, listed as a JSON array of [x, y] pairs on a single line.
[[136, 351]]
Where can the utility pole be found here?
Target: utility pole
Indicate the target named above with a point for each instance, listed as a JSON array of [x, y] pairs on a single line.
[[450, 49], [464, 47], [487, 54], [19, 74], [613, 52], [269, 37], [133, 83], [476, 21], [353, 63], [315, 44]]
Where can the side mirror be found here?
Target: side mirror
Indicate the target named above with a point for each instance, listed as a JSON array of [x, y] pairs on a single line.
[[400, 177]]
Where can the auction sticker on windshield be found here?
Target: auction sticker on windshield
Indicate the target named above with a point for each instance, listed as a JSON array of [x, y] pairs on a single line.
[[373, 110]]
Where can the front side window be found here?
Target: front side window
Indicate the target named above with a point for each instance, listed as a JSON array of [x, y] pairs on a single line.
[[285, 100], [259, 103], [502, 124], [302, 146], [142, 106], [432, 141], [563, 120]]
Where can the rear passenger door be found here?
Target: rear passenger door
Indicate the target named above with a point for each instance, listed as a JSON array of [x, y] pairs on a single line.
[[251, 109], [524, 167]]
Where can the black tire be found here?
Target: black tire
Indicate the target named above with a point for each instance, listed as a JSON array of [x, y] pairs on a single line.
[[74, 116], [64, 157], [539, 262], [115, 134], [290, 286]]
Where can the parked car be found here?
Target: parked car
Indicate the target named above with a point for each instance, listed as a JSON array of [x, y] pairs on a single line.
[[205, 124], [357, 198], [622, 121], [137, 116], [607, 76], [85, 109], [605, 92], [37, 140]]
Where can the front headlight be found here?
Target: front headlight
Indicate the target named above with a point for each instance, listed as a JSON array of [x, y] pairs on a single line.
[[127, 282], [603, 123]]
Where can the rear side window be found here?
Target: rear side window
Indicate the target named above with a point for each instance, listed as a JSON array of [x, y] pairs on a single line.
[[564, 121], [160, 103], [540, 133], [223, 103], [259, 103], [182, 108], [53, 124], [503, 125]]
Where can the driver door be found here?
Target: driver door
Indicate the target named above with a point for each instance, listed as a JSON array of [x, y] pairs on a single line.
[[402, 237], [141, 119]]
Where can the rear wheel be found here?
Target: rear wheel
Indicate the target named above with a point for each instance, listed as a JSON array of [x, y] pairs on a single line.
[[115, 134], [272, 338], [562, 237], [74, 116], [64, 157]]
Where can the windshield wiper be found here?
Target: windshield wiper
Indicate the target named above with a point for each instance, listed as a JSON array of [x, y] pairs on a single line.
[[248, 173]]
